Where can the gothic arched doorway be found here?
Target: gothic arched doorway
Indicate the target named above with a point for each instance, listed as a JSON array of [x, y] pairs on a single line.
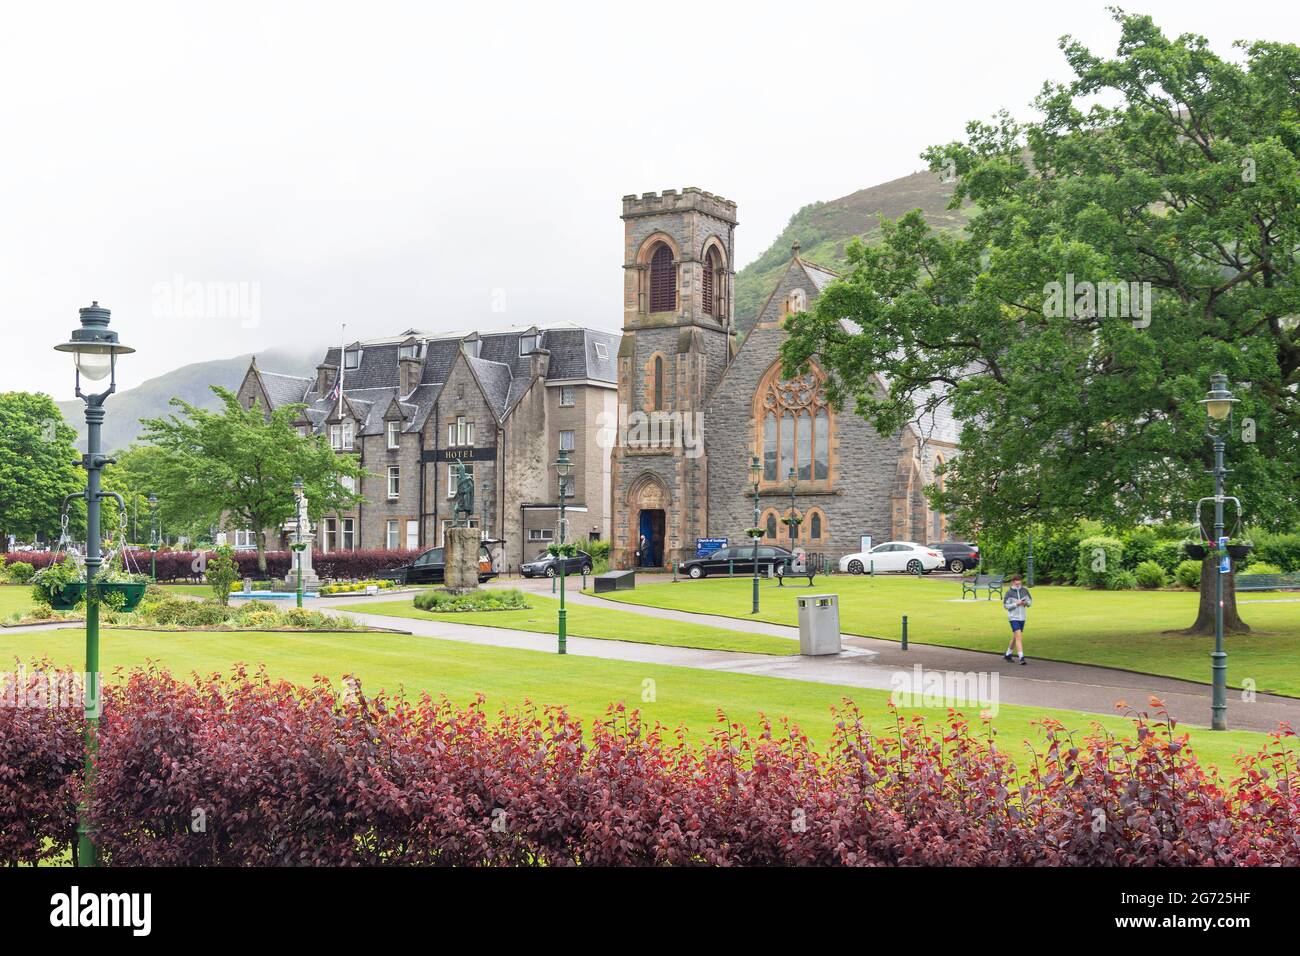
[[647, 514]]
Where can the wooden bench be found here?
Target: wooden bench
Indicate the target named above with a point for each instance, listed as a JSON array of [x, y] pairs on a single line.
[[1268, 582], [813, 566], [989, 582]]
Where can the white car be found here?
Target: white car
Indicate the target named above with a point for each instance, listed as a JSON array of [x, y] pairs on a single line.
[[893, 556]]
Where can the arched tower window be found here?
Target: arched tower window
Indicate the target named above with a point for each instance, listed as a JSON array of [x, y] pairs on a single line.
[[771, 525], [712, 291], [794, 428], [663, 280], [657, 398]]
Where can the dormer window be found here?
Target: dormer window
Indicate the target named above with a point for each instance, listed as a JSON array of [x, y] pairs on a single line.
[[602, 351], [352, 358], [341, 436], [411, 351], [529, 342], [472, 345]]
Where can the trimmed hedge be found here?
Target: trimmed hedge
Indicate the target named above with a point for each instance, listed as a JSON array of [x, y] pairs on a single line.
[[256, 772], [333, 566]]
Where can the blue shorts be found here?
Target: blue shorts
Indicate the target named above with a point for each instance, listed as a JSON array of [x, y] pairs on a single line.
[[1017, 625]]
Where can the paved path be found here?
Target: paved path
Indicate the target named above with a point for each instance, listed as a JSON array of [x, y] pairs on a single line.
[[878, 664]]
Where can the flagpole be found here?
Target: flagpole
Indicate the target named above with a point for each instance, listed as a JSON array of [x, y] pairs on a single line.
[[343, 361]]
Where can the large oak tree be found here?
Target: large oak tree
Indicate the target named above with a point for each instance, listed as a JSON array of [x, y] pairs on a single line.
[[1166, 166]]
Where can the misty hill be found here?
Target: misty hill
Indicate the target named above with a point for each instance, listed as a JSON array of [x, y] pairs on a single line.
[[189, 382], [824, 228]]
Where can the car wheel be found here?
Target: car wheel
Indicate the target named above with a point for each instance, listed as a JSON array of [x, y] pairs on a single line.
[[550, 572], [855, 567], [696, 571], [586, 569], [914, 566], [956, 565]]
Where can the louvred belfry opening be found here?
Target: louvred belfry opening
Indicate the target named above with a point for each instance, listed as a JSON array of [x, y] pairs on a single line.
[[712, 284], [663, 280]]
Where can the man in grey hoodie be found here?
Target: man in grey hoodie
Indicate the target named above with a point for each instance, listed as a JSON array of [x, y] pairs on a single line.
[[1016, 600]]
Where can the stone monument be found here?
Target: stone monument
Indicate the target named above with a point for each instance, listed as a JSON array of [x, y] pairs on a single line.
[[463, 542], [309, 579]]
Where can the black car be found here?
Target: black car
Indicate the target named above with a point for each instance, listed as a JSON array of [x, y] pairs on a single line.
[[958, 556], [430, 568], [545, 565], [739, 559]]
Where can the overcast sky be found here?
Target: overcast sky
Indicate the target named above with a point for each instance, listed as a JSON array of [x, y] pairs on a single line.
[[448, 166]]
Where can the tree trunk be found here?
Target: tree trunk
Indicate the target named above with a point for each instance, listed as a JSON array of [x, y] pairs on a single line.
[[261, 554], [1232, 624]]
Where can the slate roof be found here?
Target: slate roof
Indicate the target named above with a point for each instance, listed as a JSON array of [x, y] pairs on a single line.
[[505, 374]]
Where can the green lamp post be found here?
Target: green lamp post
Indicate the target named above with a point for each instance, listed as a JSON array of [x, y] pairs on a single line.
[[563, 468], [94, 349], [153, 537], [297, 537], [1218, 404], [755, 476]]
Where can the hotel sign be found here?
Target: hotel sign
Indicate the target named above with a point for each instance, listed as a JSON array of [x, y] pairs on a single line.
[[488, 453]]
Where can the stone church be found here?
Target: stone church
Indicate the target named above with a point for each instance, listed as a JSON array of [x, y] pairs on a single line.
[[696, 403]]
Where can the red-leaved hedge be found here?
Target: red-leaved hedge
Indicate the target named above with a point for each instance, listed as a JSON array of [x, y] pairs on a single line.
[[334, 565], [252, 771]]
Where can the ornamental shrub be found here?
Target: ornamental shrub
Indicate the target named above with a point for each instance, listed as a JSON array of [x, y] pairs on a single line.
[[1260, 567], [1139, 545], [290, 775], [1121, 580], [222, 573], [1188, 575], [1282, 550], [1149, 574], [20, 572], [1098, 558], [485, 599]]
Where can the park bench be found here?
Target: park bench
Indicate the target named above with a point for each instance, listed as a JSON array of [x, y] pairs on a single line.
[[1268, 582], [989, 582], [814, 565]]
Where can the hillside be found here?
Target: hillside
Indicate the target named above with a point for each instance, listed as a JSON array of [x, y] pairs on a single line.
[[189, 382], [824, 228]]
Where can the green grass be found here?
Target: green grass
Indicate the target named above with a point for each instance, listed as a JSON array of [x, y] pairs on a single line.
[[597, 622], [1124, 629], [681, 695], [15, 597]]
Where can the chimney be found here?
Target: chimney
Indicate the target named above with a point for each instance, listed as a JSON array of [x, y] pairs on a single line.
[[408, 374], [539, 362], [324, 377]]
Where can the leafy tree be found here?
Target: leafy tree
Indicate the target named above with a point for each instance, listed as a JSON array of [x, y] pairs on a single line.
[[38, 466], [1166, 169], [222, 573], [235, 467]]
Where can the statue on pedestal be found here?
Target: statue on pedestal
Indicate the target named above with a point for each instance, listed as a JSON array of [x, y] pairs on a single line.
[[464, 506]]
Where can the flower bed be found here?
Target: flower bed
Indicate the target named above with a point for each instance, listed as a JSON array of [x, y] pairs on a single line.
[[291, 775], [485, 599]]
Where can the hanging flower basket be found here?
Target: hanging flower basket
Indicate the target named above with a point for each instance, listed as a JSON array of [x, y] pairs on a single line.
[[1195, 550], [1238, 551], [74, 592], [68, 596], [755, 532]]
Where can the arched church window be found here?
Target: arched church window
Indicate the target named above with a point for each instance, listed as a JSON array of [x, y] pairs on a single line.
[[663, 280], [712, 285], [815, 526], [769, 446], [797, 427], [771, 526]]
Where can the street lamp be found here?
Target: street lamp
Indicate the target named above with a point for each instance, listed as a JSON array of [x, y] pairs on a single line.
[[563, 467], [1218, 404], [94, 349], [153, 536], [755, 476], [297, 538]]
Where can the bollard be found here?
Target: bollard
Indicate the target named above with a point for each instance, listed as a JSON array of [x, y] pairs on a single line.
[[731, 568], [904, 632], [674, 572], [552, 584], [873, 567], [584, 580]]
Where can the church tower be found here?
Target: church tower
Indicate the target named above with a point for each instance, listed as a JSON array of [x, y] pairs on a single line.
[[677, 340]]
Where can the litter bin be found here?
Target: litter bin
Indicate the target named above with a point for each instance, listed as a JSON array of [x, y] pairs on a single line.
[[819, 624]]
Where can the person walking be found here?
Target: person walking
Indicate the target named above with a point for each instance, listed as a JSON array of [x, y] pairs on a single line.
[[1016, 600]]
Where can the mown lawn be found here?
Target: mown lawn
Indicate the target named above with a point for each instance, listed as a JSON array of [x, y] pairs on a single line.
[[597, 622], [14, 597], [674, 696], [1124, 629]]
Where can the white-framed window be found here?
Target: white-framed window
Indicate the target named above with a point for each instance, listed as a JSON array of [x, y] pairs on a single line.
[[460, 433], [329, 532], [451, 477], [392, 533], [602, 351], [352, 358], [341, 436], [304, 430], [568, 396], [412, 533], [394, 431], [567, 486], [567, 437], [244, 538], [528, 343], [410, 351], [472, 347], [348, 534], [348, 484], [394, 481], [541, 534]]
